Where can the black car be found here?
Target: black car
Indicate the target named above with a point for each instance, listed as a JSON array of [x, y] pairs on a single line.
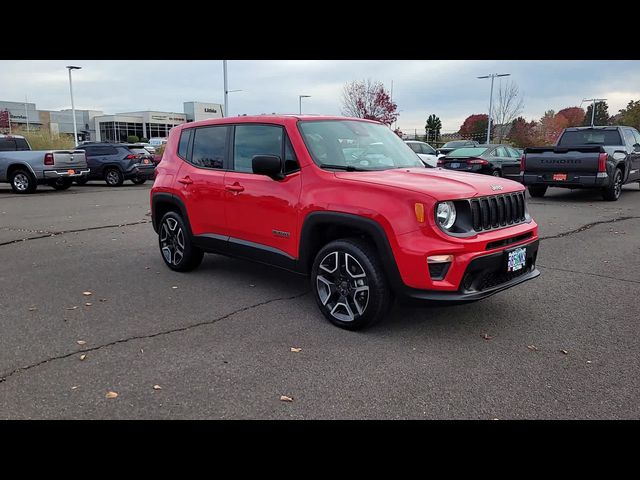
[[116, 162], [496, 160], [451, 146]]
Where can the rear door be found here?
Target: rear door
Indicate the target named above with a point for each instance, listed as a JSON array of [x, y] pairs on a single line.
[[200, 179], [262, 212], [97, 156], [634, 145]]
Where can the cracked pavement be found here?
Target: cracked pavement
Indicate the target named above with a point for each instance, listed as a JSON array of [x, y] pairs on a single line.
[[219, 344]]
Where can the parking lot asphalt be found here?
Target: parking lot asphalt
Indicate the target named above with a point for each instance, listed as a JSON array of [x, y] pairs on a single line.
[[216, 343]]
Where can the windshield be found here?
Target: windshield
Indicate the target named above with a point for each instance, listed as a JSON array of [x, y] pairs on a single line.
[[591, 136], [456, 144], [467, 152], [354, 145]]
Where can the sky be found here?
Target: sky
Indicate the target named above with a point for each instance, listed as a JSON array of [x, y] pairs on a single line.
[[447, 88]]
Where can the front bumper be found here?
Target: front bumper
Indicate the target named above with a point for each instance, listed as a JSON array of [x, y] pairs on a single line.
[[53, 174], [573, 180], [484, 276]]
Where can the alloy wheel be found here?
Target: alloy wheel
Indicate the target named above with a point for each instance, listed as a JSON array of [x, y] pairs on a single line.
[[342, 286], [21, 182], [172, 241], [618, 184], [112, 177]]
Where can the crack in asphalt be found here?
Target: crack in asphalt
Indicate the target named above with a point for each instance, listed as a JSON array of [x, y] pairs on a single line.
[[588, 273], [6, 376], [47, 234], [588, 226]]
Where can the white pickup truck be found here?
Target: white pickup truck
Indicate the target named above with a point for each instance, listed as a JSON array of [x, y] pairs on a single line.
[[25, 169]]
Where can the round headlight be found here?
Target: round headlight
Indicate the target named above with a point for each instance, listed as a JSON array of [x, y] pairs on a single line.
[[446, 214]]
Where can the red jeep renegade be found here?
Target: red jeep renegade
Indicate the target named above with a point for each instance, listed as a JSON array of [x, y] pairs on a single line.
[[344, 201]]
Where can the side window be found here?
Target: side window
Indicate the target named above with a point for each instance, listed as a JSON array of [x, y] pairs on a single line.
[[415, 147], [21, 144], [290, 161], [629, 137], [185, 136], [513, 152], [251, 140], [636, 135], [500, 152], [89, 151], [209, 147], [428, 150]]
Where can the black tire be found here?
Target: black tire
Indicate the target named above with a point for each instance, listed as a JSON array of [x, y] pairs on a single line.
[[81, 180], [613, 191], [22, 181], [172, 231], [138, 181], [537, 191], [496, 173], [62, 183], [336, 291], [113, 177]]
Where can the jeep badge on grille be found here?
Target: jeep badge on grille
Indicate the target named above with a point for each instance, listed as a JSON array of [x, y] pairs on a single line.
[[496, 187]]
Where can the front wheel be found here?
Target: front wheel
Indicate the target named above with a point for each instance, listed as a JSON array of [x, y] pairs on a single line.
[[349, 284], [138, 180], [613, 191], [537, 192], [113, 177], [178, 251], [62, 183]]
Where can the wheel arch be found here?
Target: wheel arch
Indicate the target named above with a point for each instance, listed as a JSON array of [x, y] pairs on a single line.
[[19, 166], [161, 203]]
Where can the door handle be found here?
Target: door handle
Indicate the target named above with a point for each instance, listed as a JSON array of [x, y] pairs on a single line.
[[186, 180], [236, 188]]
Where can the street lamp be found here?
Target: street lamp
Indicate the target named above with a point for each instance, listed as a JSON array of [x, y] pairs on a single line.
[[300, 97], [73, 108], [226, 91], [593, 106], [492, 76]]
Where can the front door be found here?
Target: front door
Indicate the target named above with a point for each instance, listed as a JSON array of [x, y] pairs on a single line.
[[200, 179], [635, 156], [262, 212]]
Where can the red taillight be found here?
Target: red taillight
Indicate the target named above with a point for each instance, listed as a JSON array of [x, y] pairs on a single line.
[[132, 156], [522, 163], [602, 162], [48, 158], [440, 162], [477, 161]]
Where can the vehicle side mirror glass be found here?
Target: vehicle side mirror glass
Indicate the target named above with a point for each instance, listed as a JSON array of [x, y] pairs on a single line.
[[636, 147], [619, 155], [269, 165]]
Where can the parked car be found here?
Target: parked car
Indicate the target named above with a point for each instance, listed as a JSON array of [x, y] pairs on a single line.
[[451, 146], [364, 218], [496, 160], [157, 141], [25, 169], [585, 157], [116, 162], [425, 151], [150, 148]]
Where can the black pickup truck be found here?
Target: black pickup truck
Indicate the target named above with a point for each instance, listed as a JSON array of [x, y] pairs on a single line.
[[584, 157]]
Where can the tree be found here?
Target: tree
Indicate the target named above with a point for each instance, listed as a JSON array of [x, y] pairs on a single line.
[[631, 115], [506, 107], [368, 99], [523, 133], [432, 128], [144, 140], [475, 127], [133, 139], [601, 116], [550, 127], [573, 115]]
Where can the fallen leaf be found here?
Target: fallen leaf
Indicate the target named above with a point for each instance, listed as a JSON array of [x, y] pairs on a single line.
[[589, 361], [141, 350], [73, 388], [81, 342], [88, 304], [532, 347], [147, 268], [295, 350], [83, 356], [284, 398], [32, 309], [486, 336], [565, 352], [86, 294], [157, 387], [111, 395], [72, 308], [103, 299], [174, 287], [495, 418]]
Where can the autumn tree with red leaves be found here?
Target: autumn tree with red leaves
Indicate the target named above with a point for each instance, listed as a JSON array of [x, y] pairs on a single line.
[[523, 133], [573, 115], [368, 99], [475, 127]]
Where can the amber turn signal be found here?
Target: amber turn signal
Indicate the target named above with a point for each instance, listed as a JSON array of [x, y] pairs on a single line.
[[419, 209]]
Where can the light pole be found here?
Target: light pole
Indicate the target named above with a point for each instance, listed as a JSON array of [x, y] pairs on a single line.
[[226, 90], [73, 108], [300, 97], [492, 76], [593, 106]]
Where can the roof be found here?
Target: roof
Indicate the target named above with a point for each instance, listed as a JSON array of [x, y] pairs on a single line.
[[278, 119], [11, 136], [603, 127]]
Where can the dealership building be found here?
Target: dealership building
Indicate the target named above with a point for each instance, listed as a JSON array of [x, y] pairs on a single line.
[[96, 126]]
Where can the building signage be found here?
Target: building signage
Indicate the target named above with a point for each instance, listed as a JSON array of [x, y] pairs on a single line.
[[165, 118], [210, 110]]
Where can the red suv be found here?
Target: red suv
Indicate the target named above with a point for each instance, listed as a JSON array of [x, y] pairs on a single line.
[[344, 201]]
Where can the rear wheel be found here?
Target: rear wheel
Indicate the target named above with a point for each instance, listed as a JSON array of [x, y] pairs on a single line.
[[349, 284], [138, 181], [81, 180], [22, 181], [496, 173], [178, 251], [537, 192], [113, 177], [613, 191], [62, 183]]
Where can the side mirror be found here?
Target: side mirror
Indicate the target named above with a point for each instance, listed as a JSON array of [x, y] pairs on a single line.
[[636, 147], [269, 165], [618, 155]]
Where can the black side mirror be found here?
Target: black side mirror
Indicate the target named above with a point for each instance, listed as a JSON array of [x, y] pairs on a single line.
[[636, 147], [269, 165]]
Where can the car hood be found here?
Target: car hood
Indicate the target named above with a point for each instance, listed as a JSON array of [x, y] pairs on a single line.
[[436, 182]]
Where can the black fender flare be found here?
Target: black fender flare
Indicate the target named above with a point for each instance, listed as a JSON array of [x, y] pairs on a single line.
[[167, 198], [310, 244]]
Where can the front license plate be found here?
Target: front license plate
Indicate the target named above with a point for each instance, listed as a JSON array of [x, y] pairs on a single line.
[[71, 172], [516, 259], [455, 165], [146, 161], [559, 177]]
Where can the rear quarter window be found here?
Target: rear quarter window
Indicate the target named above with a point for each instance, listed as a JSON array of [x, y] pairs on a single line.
[[183, 145]]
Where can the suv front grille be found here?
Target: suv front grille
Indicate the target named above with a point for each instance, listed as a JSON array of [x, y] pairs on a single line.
[[497, 211]]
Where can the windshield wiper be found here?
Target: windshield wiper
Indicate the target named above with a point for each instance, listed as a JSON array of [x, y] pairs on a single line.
[[347, 168]]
